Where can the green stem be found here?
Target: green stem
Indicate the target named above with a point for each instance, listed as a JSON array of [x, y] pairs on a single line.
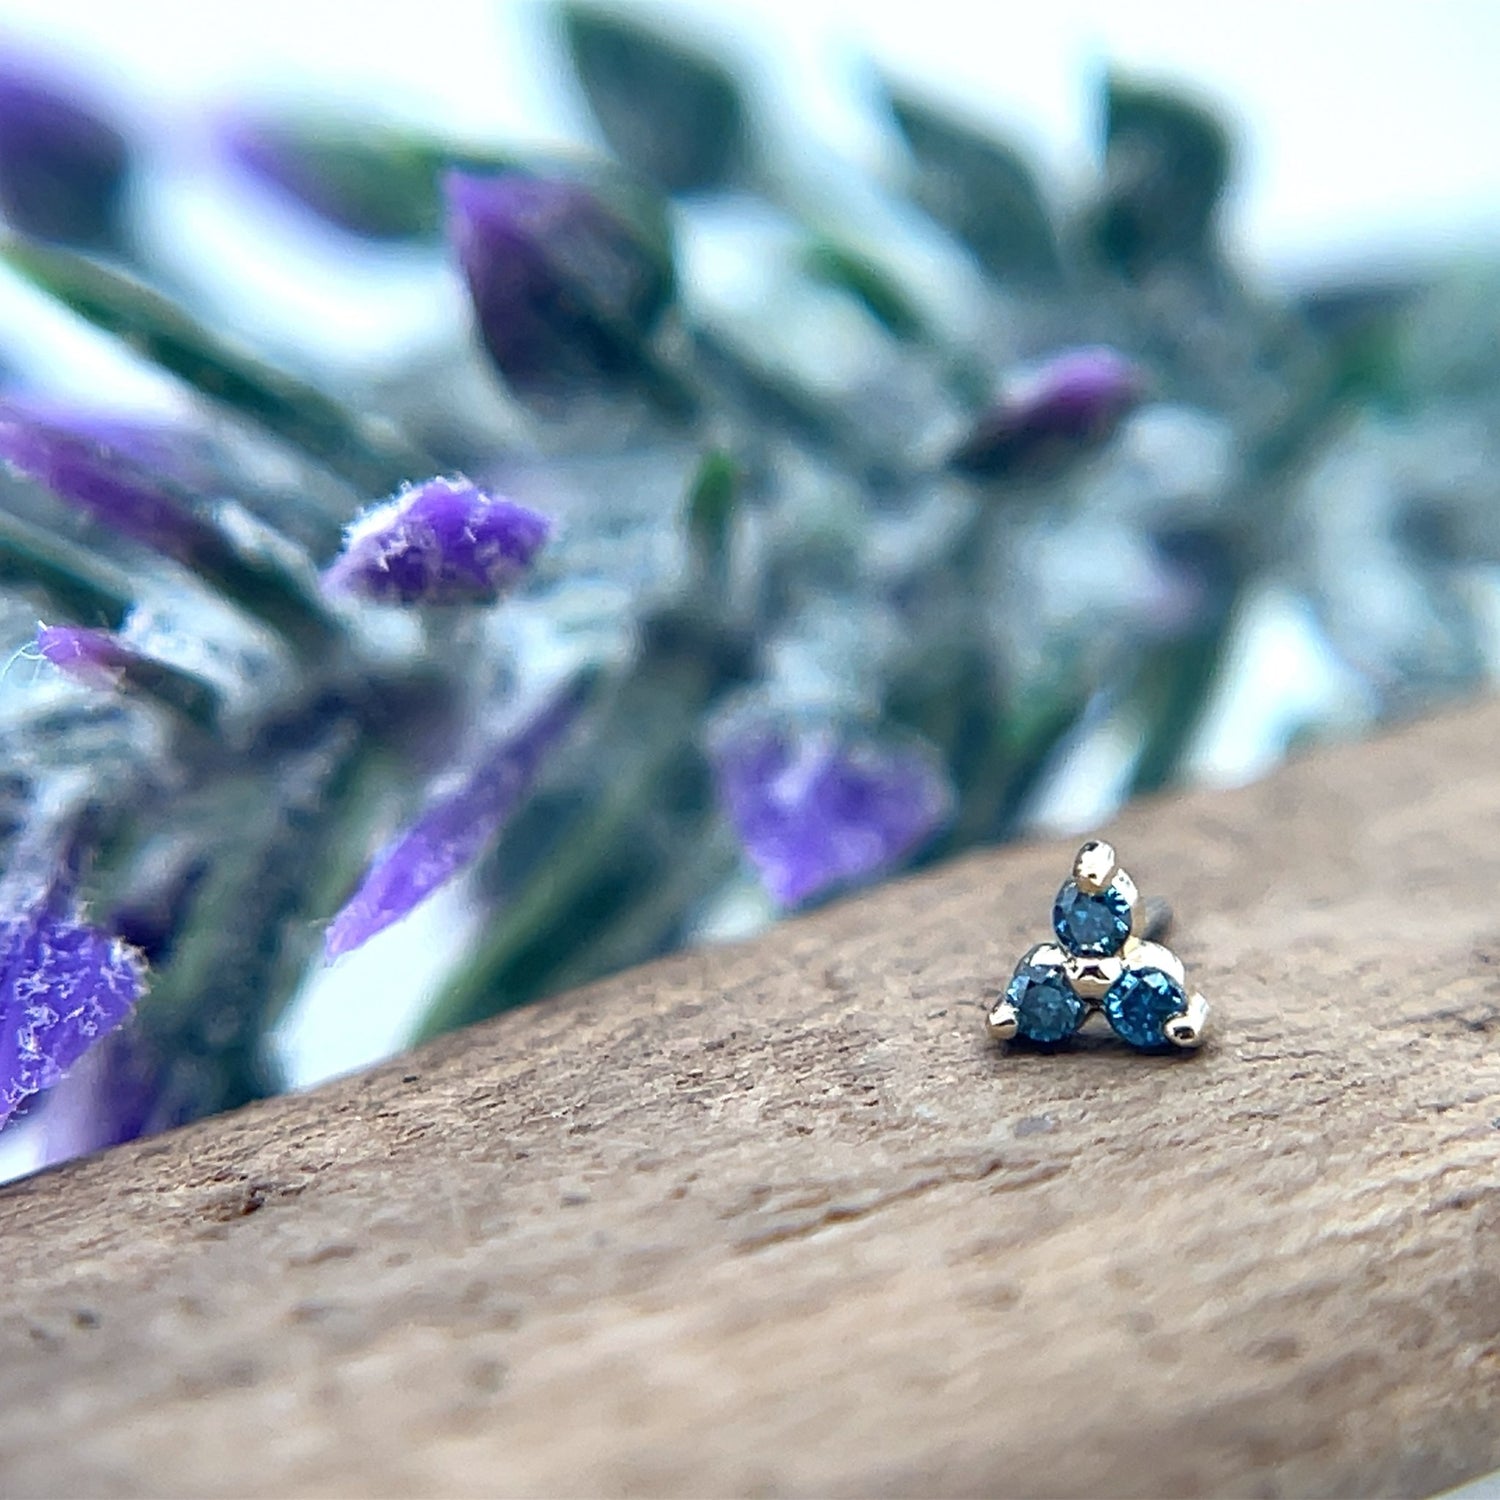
[[1174, 684], [592, 876], [244, 944], [271, 593], [641, 929], [168, 335], [83, 588], [182, 694]]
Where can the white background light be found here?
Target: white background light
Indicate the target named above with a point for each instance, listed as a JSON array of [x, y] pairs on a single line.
[[1368, 127]]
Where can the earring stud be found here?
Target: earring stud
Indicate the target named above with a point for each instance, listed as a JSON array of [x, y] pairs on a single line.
[[1107, 957]]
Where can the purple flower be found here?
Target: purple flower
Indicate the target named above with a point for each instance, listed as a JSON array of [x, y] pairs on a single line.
[[443, 542], [457, 826], [62, 168], [154, 444], [88, 471], [818, 810], [93, 657], [63, 986], [112, 1096], [565, 291], [1070, 405]]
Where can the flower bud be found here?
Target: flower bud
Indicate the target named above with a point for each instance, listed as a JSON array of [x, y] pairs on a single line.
[[443, 542], [62, 168], [566, 291], [1066, 408], [93, 657]]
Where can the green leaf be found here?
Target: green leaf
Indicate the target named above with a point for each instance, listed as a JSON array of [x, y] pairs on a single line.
[[617, 903], [710, 513], [996, 745], [1359, 327], [167, 335], [365, 177], [668, 112], [980, 189], [184, 694], [1167, 163], [1173, 688], [769, 398], [881, 294], [86, 590]]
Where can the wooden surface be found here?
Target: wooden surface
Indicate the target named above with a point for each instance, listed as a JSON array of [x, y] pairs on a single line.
[[778, 1219]]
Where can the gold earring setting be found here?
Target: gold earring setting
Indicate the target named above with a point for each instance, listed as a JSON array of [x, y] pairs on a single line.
[[1104, 959]]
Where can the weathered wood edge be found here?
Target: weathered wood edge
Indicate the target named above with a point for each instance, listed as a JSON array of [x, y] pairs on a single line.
[[776, 1219]]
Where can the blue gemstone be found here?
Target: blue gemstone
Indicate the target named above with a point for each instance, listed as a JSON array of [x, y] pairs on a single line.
[[1047, 1010], [1094, 926], [1141, 1002]]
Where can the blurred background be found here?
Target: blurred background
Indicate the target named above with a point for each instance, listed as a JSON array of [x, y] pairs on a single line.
[[948, 421]]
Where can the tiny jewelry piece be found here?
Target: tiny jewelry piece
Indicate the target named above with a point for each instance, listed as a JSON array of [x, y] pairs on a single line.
[[1105, 958]]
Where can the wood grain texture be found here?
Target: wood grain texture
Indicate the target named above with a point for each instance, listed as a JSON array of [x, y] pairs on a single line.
[[777, 1219]]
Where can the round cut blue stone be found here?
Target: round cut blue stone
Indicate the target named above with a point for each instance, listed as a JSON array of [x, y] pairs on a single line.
[[1141, 1002], [1092, 926], [1047, 1010]]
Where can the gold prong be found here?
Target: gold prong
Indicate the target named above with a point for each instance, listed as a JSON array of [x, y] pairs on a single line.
[[1094, 867], [1186, 1031], [1045, 956], [1092, 977], [1155, 956], [1002, 1021]]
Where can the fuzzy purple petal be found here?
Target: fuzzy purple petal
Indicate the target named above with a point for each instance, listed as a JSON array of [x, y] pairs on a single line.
[[444, 542], [63, 986], [113, 1095], [457, 827], [1065, 408], [818, 811], [93, 657]]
